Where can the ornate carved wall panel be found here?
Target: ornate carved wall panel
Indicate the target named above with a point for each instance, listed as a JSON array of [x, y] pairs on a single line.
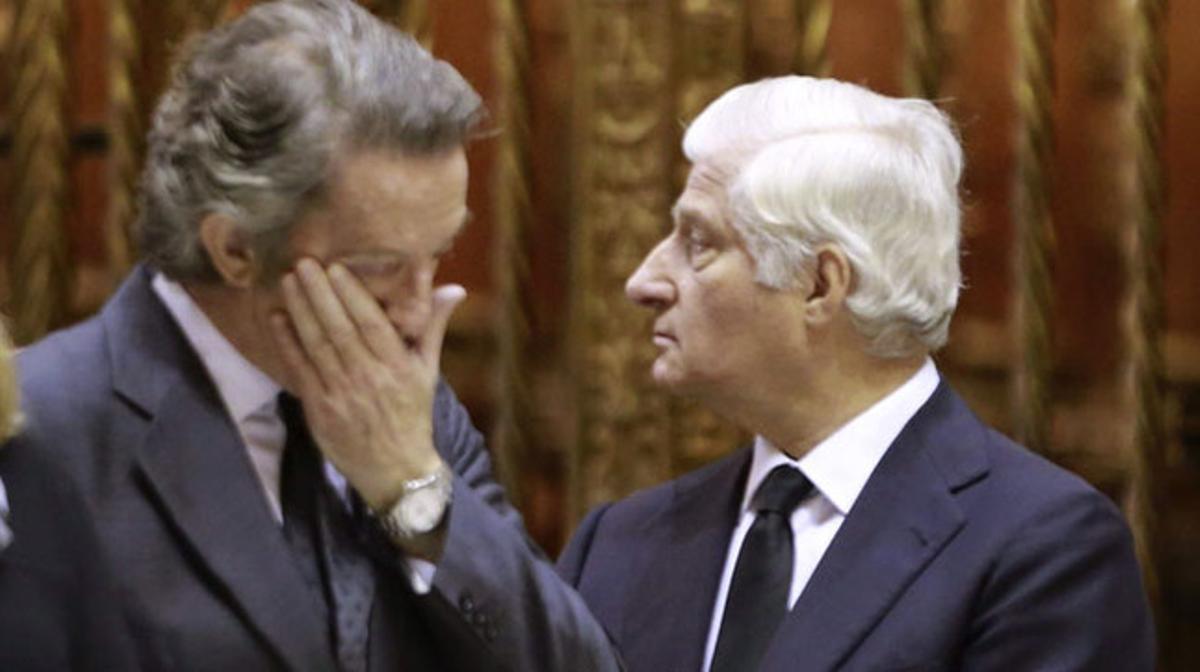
[[622, 187]]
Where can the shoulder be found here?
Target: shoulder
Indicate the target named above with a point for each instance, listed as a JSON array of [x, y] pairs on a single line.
[[1010, 494], [1037, 493], [64, 377], [72, 351], [986, 470], [643, 510]]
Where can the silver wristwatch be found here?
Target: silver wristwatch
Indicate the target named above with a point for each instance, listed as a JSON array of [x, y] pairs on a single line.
[[420, 508]]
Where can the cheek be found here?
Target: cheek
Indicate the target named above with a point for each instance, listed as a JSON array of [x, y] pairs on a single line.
[[381, 288]]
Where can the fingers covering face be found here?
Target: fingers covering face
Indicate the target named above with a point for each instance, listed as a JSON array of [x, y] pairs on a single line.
[[339, 329], [361, 308]]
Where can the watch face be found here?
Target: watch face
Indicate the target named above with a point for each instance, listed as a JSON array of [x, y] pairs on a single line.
[[421, 511]]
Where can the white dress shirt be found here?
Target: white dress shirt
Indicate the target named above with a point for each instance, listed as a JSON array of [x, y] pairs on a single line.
[[249, 396], [838, 468]]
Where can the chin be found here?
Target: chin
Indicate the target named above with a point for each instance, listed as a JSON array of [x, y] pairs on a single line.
[[676, 383]]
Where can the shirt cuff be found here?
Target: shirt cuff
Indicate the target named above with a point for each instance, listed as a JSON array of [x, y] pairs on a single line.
[[420, 574]]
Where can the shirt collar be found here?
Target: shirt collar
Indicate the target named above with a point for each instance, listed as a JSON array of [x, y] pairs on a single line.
[[243, 387], [840, 465]]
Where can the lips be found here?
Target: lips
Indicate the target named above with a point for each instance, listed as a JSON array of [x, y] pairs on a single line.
[[663, 339]]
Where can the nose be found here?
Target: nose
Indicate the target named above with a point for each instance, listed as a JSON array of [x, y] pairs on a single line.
[[408, 302], [649, 285]]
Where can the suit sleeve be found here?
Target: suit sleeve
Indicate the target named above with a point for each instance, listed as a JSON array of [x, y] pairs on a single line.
[[573, 560], [1065, 595], [490, 572]]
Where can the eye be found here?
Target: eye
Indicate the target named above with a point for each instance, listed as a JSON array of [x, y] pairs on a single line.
[[365, 268], [701, 248]]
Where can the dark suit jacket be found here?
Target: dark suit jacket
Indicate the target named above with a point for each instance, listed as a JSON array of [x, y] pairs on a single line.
[[964, 551], [208, 582], [58, 606]]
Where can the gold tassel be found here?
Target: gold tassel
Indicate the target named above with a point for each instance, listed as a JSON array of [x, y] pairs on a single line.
[[125, 136], [1143, 305], [813, 18], [513, 218], [1033, 269], [39, 273]]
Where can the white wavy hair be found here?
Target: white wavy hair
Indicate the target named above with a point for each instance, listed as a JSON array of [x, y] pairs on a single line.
[[821, 161]]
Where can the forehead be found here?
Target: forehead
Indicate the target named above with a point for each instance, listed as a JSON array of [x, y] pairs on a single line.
[[390, 200], [705, 197], [362, 179]]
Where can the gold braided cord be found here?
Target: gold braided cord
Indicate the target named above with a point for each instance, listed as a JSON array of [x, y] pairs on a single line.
[[412, 16], [195, 16], [10, 394], [925, 48], [1034, 92], [813, 17], [125, 137], [1143, 306], [513, 217], [39, 269], [417, 20]]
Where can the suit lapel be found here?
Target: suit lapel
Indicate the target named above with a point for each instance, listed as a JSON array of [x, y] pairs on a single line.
[[197, 467], [904, 517], [668, 621]]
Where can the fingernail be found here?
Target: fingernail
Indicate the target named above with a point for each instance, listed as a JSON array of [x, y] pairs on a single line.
[[338, 272]]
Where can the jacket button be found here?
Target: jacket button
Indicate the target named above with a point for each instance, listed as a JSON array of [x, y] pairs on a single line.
[[490, 632], [467, 603], [479, 618]]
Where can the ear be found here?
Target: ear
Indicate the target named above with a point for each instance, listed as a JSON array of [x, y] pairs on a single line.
[[229, 250], [832, 280]]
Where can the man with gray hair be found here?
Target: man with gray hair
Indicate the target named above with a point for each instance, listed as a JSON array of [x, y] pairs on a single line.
[[280, 476], [874, 523]]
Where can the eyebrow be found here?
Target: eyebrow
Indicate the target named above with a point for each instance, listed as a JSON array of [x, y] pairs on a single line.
[[467, 218], [682, 211], [690, 217]]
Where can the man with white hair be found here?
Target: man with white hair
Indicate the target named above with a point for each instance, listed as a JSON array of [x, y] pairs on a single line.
[[874, 523], [280, 475]]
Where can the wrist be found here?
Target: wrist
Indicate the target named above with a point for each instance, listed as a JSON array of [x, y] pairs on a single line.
[[383, 487], [420, 509]]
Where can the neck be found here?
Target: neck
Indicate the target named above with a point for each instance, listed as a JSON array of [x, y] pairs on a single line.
[[807, 409], [231, 311]]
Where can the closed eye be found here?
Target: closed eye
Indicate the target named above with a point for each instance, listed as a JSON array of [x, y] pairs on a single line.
[[366, 268]]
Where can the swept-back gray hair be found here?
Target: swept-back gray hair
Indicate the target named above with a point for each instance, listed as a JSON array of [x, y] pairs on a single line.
[[258, 108], [822, 161]]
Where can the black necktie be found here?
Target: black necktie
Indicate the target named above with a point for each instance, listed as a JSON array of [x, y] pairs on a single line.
[[321, 534], [758, 594]]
